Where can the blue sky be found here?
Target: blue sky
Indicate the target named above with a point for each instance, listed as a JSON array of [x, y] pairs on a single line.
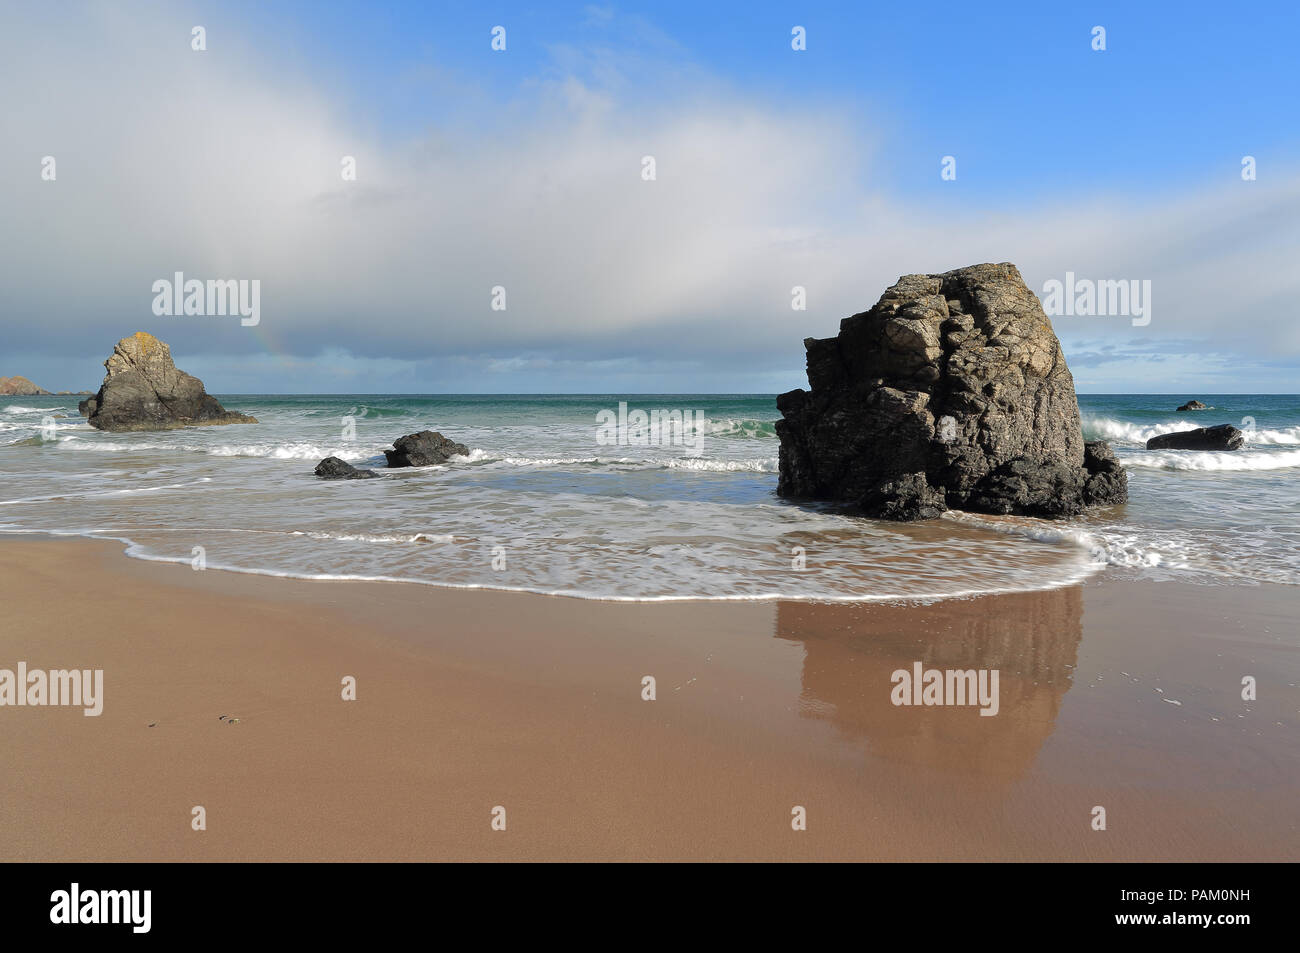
[[477, 168], [1014, 88]]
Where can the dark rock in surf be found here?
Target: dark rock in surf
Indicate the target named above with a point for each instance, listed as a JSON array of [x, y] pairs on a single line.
[[332, 468], [144, 390], [1193, 405], [951, 392], [1107, 483], [87, 406], [423, 449], [1222, 437]]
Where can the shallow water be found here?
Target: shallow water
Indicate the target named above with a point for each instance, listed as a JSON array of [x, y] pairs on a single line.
[[542, 504]]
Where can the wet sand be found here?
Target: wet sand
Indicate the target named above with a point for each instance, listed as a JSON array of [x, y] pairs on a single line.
[[469, 700]]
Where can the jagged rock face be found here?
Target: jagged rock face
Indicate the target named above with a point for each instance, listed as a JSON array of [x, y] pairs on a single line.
[[1107, 483], [423, 449], [20, 387], [143, 390], [1221, 437], [951, 392]]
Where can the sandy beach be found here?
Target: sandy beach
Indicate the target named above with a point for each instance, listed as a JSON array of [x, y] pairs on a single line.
[[1113, 694]]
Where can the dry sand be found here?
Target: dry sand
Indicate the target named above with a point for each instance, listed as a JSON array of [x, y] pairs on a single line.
[[467, 700]]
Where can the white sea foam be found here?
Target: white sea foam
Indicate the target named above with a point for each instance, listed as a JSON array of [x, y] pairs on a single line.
[[272, 451], [707, 464], [555, 461], [1213, 460], [286, 451], [1288, 438], [1103, 546], [379, 538], [94, 494], [316, 452], [598, 592], [1125, 432], [765, 465]]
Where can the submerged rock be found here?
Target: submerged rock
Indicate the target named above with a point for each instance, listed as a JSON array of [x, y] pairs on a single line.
[[332, 468], [1193, 405], [950, 393], [423, 449], [143, 390], [1222, 437]]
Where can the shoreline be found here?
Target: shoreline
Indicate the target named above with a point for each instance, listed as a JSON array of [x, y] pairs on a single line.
[[1083, 574], [469, 699]]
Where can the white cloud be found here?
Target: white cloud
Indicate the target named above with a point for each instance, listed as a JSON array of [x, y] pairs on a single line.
[[218, 165]]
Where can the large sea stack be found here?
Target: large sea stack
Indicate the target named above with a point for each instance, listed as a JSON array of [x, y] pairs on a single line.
[[143, 390], [951, 393]]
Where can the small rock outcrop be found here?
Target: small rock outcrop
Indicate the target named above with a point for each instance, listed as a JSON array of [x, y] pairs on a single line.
[[1107, 483], [1193, 405], [86, 407], [950, 393], [1222, 437], [423, 449], [20, 387], [332, 468], [143, 390]]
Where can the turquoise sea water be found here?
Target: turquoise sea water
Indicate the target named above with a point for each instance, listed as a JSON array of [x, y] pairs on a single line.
[[547, 502]]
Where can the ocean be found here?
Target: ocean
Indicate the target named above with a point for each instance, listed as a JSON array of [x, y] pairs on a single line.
[[546, 502]]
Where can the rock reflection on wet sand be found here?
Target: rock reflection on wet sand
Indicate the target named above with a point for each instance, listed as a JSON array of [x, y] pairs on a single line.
[[851, 652]]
